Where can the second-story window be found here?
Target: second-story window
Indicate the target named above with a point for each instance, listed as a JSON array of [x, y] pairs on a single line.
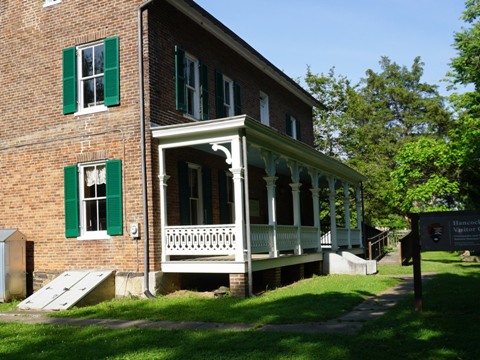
[[91, 85], [191, 81], [228, 96], [292, 126], [192, 88], [228, 101], [264, 109], [91, 77]]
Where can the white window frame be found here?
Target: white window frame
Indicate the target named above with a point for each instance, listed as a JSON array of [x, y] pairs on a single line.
[[48, 3], [294, 127], [84, 234], [82, 109], [228, 88], [195, 89], [197, 169], [264, 109]]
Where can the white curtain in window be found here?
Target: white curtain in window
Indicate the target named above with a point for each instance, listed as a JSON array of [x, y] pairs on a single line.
[[96, 176]]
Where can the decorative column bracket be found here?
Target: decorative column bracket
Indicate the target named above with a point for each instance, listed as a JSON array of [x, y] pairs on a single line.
[[228, 154]]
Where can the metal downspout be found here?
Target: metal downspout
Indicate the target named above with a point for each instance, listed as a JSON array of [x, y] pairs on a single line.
[[146, 291]]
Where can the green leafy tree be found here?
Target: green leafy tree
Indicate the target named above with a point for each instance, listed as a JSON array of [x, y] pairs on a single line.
[[424, 176], [465, 71]]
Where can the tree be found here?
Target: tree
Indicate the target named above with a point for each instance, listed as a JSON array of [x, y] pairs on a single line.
[[466, 71], [424, 178], [334, 93], [369, 123]]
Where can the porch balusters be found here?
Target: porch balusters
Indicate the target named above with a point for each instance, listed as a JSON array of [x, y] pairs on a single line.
[[333, 215], [346, 205]]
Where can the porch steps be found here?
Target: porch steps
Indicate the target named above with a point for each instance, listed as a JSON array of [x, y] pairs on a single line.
[[347, 263]]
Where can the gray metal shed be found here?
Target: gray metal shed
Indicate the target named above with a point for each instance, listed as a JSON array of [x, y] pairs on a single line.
[[13, 269]]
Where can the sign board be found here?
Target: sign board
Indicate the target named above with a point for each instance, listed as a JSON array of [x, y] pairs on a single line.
[[450, 230]]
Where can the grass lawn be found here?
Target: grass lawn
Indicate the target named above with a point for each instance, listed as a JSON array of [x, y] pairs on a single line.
[[446, 329]]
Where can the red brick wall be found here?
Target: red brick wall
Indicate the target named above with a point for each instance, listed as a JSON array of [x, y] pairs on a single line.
[[37, 141]]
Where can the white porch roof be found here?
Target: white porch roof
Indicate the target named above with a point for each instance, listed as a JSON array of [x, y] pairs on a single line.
[[266, 138]]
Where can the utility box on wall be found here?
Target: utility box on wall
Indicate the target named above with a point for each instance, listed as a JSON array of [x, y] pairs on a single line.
[[13, 270]]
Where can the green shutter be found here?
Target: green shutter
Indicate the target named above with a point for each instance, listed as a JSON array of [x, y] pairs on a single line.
[[288, 124], [204, 91], [223, 197], [219, 95], [180, 79], [238, 99], [111, 72], [114, 197], [184, 193], [297, 129], [69, 78], [207, 195], [70, 188]]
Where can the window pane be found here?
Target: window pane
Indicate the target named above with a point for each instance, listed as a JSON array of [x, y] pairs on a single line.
[[99, 59], [89, 177], [193, 179], [193, 211], [88, 93], [190, 101], [87, 62], [91, 215], [102, 214], [99, 88], [227, 93]]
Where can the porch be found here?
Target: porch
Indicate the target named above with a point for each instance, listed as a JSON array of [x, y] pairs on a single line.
[[279, 202]]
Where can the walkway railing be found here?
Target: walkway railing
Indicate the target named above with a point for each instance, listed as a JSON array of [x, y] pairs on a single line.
[[377, 244]]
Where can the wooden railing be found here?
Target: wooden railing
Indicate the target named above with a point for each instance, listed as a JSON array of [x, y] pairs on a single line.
[[377, 245]]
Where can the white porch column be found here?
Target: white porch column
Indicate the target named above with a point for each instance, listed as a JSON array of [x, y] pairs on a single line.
[[358, 193], [316, 204], [270, 168], [346, 205], [297, 221], [240, 202], [297, 216], [163, 177], [333, 214], [272, 213]]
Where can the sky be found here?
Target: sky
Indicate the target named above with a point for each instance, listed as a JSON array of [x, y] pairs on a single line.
[[350, 35]]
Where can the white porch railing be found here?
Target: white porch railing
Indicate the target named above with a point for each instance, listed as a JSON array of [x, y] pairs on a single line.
[[342, 237], [200, 240], [220, 239]]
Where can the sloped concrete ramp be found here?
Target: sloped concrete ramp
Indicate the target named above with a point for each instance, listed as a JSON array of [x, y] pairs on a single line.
[[70, 288], [348, 263]]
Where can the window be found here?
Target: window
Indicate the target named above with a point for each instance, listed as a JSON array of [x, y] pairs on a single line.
[[226, 197], [227, 96], [93, 200], [195, 194], [91, 77], [51, 2], [191, 85], [264, 111], [195, 191], [293, 127]]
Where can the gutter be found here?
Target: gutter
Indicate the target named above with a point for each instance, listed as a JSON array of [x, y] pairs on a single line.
[[146, 290]]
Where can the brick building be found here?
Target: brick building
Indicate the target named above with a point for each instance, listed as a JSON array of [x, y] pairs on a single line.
[[200, 140]]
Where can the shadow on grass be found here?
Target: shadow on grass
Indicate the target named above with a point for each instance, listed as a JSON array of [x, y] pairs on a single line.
[[291, 309], [446, 329]]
